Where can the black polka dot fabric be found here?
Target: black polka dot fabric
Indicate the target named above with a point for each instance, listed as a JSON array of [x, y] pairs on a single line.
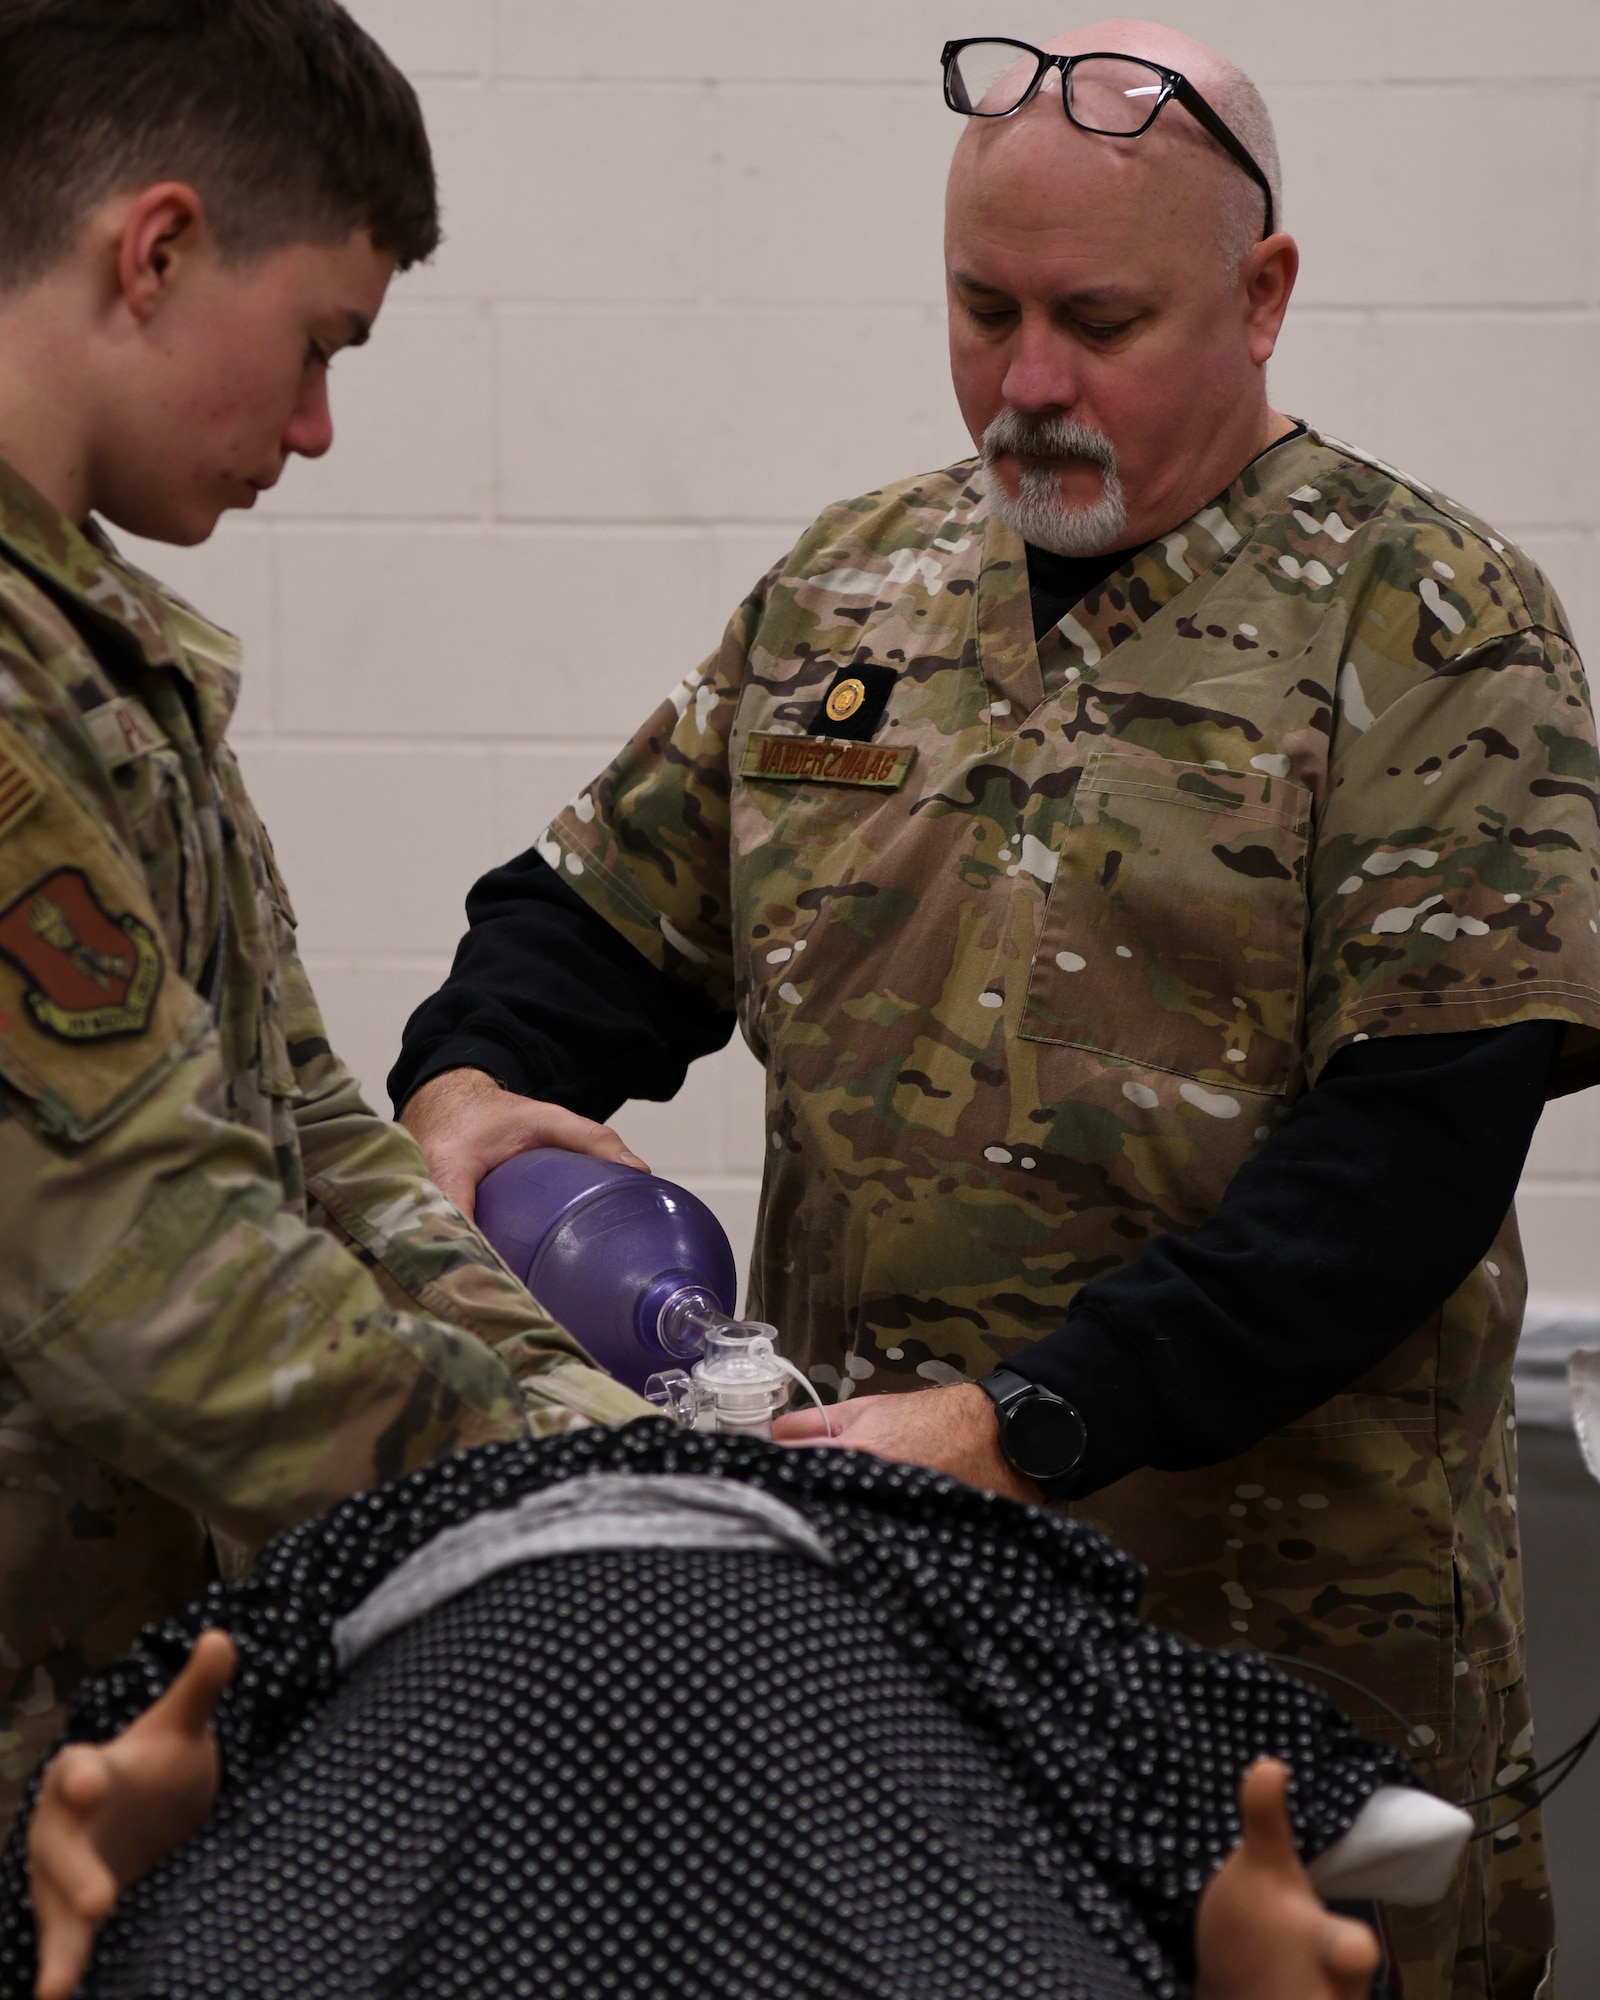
[[638, 1774], [954, 1765]]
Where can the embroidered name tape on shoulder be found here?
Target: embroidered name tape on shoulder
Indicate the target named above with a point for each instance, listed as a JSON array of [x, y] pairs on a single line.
[[88, 1006]]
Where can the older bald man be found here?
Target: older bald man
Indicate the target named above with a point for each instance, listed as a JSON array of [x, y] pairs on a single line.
[[1156, 862]]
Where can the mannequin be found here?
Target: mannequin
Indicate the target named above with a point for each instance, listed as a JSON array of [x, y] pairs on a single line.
[[643, 1685]]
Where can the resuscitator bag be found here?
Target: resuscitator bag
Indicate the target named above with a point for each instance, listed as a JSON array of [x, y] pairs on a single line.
[[609, 1252]]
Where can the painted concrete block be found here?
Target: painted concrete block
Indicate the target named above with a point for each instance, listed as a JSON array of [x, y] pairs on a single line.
[[572, 190], [379, 846], [826, 193], [412, 423], [436, 632], [365, 1003], [742, 413], [430, 37], [1424, 196]]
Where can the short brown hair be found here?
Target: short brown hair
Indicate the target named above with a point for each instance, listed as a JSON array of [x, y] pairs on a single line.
[[284, 115]]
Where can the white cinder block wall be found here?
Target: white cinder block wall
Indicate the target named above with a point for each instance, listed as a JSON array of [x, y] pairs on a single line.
[[692, 292]]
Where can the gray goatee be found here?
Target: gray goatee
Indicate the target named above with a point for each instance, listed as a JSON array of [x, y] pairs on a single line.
[[1037, 512]]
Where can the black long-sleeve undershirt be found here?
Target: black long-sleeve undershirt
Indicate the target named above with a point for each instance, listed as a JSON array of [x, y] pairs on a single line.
[[1363, 1212], [552, 1002], [1366, 1209]]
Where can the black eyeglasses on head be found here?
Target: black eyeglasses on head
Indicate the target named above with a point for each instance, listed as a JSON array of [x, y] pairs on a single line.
[[1115, 95]]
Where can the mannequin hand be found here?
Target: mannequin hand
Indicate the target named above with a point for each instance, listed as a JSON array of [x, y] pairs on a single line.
[[467, 1126], [1261, 1932], [108, 1813], [952, 1430]]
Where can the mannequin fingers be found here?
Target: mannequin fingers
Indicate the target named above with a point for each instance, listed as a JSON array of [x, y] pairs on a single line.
[[1350, 1955], [1268, 1838], [191, 1702], [79, 1779], [70, 1885], [64, 1946]]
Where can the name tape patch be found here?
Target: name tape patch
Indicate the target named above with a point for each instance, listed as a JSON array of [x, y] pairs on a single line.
[[820, 760], [122, 730]]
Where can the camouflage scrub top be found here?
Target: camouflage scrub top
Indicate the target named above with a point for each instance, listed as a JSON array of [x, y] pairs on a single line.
[[1036, 969], [228, 1293]]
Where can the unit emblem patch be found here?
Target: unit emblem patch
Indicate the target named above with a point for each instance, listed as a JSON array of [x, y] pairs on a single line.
[[91, 976]]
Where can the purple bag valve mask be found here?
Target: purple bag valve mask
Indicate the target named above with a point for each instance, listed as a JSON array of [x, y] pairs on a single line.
[[641, 1272]]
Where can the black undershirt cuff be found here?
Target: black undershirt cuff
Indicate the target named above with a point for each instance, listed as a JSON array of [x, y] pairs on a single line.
[[469, 1052]]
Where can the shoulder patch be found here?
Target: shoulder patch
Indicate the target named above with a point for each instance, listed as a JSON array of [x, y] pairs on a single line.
[[20, 792], [91, 975], [90, 1015]]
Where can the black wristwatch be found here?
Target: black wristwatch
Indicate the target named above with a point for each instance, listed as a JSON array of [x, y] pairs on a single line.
[[1041, 1434]]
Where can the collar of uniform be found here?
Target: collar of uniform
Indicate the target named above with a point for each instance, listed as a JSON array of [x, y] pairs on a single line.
[[81, 564], [205, 655], [1132, 595]]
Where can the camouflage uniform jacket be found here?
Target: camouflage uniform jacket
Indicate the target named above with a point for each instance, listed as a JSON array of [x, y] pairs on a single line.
[[1036, 969], [228, 1294]]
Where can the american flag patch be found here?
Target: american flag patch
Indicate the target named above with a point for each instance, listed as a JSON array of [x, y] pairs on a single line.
[[20, 792]]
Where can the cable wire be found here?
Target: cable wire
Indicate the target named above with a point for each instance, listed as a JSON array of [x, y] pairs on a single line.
[[1333, 1674], [1570, 1758]]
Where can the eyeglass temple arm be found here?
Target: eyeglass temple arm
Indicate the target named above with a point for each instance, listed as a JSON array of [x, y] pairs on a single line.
[[1203, 115]]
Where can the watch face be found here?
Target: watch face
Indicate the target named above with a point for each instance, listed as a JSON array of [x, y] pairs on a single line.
[[1044, 1438]]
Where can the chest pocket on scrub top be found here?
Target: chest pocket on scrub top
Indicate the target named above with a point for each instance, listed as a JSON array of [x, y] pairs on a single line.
[[1174, 932]]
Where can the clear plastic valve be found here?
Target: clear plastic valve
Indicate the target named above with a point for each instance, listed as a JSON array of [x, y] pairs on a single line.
[[739, 1384], [673, 1392], [740, 1380]]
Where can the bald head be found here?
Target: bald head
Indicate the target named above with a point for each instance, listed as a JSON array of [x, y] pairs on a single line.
[[1111, 364], [1176, 152]]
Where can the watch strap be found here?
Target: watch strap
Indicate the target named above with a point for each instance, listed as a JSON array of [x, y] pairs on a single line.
[[1007, 1390], [1004, 1385]]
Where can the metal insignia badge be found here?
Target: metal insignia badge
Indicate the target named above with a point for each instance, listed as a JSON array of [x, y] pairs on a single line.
[[855, 701], [846, 698], [92, 976]]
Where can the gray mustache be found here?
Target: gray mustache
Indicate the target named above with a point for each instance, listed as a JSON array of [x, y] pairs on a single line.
[[1047, 437]]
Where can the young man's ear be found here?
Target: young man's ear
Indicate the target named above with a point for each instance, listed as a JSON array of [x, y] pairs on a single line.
[[163, 226]]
